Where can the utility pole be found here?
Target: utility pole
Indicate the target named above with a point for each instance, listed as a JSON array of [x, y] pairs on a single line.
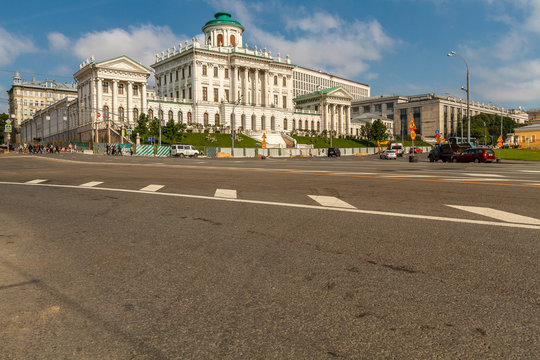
[[233, 121]]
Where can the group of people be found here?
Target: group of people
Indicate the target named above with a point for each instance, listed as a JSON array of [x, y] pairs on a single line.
[[49, 148], [117, 150]]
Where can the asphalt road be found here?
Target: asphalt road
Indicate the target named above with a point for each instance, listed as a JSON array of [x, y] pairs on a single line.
[[300, 258]]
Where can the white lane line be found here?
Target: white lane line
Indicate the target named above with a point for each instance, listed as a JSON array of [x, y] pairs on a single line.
[[297, 206], [530, 171], [331, 201], [92, 183], [353, 173], [480, 179], [227, 194], [407, 176], [498, 214], [36, 181], [483, 175], [152, 188]]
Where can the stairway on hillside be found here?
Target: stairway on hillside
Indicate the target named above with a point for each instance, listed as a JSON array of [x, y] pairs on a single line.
[[288, 143]]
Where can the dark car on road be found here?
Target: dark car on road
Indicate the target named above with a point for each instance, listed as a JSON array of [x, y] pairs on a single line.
[[334, 151], [475, 154]]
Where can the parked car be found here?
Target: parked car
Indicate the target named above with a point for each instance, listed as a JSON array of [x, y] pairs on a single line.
[[475, 154], [388, 154], [415, 150], [398, 147], [333, 151], [184, 150]]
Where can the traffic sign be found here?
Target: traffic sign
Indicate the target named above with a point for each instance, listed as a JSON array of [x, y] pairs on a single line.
[[264, 136], [151, 139], [436, 132], [8, 128], [8, 121], [98, 114], [500, 145], [263, 144], [412, 125], [500, 139], [129, 131], [413, 134]]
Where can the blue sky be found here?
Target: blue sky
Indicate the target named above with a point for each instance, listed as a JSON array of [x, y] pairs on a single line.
[[395, 46]]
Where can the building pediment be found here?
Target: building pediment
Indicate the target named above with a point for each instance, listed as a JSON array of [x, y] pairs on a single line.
[[123, 63]]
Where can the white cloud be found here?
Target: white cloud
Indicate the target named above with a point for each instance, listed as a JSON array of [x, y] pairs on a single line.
[[322, 40], [11, 46], [58, 41], [140, 43]]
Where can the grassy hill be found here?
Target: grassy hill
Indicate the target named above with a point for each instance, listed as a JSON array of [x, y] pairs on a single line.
[[201, 140]]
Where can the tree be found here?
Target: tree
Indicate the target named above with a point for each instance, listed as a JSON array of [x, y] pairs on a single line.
[[374, 131], [172, 132], [492, 127], [141, 128], [3, 118]]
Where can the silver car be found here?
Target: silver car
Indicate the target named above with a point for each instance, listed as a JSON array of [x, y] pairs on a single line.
[[389, 154]]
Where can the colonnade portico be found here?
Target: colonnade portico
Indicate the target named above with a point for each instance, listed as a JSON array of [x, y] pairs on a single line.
[[337, 118]]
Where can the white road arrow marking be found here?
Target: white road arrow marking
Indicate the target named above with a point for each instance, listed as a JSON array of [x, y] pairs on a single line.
[[36, 181], [498, 214], [152, 188], [331, 201], [92, 183], [226, 194]]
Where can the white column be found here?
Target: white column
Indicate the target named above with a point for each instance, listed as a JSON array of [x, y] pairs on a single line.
[[91, 104], [264, 89], [113, 111], [129, 110], [348, 120], [245, 87], [221, 79], [271, 92], [256, 88], [143, 98], [99, 96], [232, 83]]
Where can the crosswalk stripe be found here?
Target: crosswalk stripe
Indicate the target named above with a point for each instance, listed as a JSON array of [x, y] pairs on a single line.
[[331, 201], [483, 175], [227, 194], [36, 181], [498, 214], [92, 183], [152, 188]]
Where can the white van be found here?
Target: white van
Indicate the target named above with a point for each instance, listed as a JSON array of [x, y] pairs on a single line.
[[398, 147], [184, 150]]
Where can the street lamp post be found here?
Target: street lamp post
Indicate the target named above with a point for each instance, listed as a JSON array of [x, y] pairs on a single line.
[[160, 119], [468, 91], [233, 121]]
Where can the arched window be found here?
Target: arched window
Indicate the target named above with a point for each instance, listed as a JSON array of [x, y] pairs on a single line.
[[284, 81], [306, 125], [216, 71], [150, 114], [209, 41], [135, 114], [205, 117], [233, 40], [275, 80], [180, 119], [263, 122], [293, 124], [312, 125], [244, 121], [171, 117], [204, 70], [216, 119], [106, 113], [220, 40], [299, 124], [121, 113], [272, 123], [189, 120], [318, 126], [253, 122], [285, 127]]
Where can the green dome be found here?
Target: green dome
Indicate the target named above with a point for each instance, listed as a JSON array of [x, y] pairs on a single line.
[[223, 18]]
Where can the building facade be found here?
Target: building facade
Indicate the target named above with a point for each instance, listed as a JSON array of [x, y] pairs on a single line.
[[25, 98], [534, 115], [431, 113]]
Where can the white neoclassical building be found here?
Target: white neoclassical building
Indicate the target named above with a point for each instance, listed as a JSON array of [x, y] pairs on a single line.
[[221, 82]]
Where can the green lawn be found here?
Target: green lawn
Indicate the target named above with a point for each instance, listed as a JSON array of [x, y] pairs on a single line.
[[518, 154], [321, 142]]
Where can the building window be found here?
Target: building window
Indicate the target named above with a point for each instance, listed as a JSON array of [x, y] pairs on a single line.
[[390, 106], [183, 73], [216, 71], [233, 40], [170, 77], [220, 40], [150, 114], [189, 119], [164, 79], [120, 89], [106, 113], [205, 117], [135, 114], [216, 119], [263, 122], [105, 87], [135, 90], [216, 95], [176, 75], [275, 80], [171, 117], [299, 124], [189, 90], [378, 108], [243, 121], [272, 123], [284, 102], [275, 100], [204, 70], [205, 93], [319, 127], [180, 119], [417, 116], [227, 95], [367, 109], [121, 113], [285, 124], [312, 125], [183, 93], [189, 71], [253, 122], [284, 81], [293, 124]]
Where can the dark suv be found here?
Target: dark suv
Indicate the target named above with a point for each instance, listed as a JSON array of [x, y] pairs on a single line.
[[334, 151]]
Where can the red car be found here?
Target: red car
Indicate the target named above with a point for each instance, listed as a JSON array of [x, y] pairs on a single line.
[[475, 154], [416, 150]]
